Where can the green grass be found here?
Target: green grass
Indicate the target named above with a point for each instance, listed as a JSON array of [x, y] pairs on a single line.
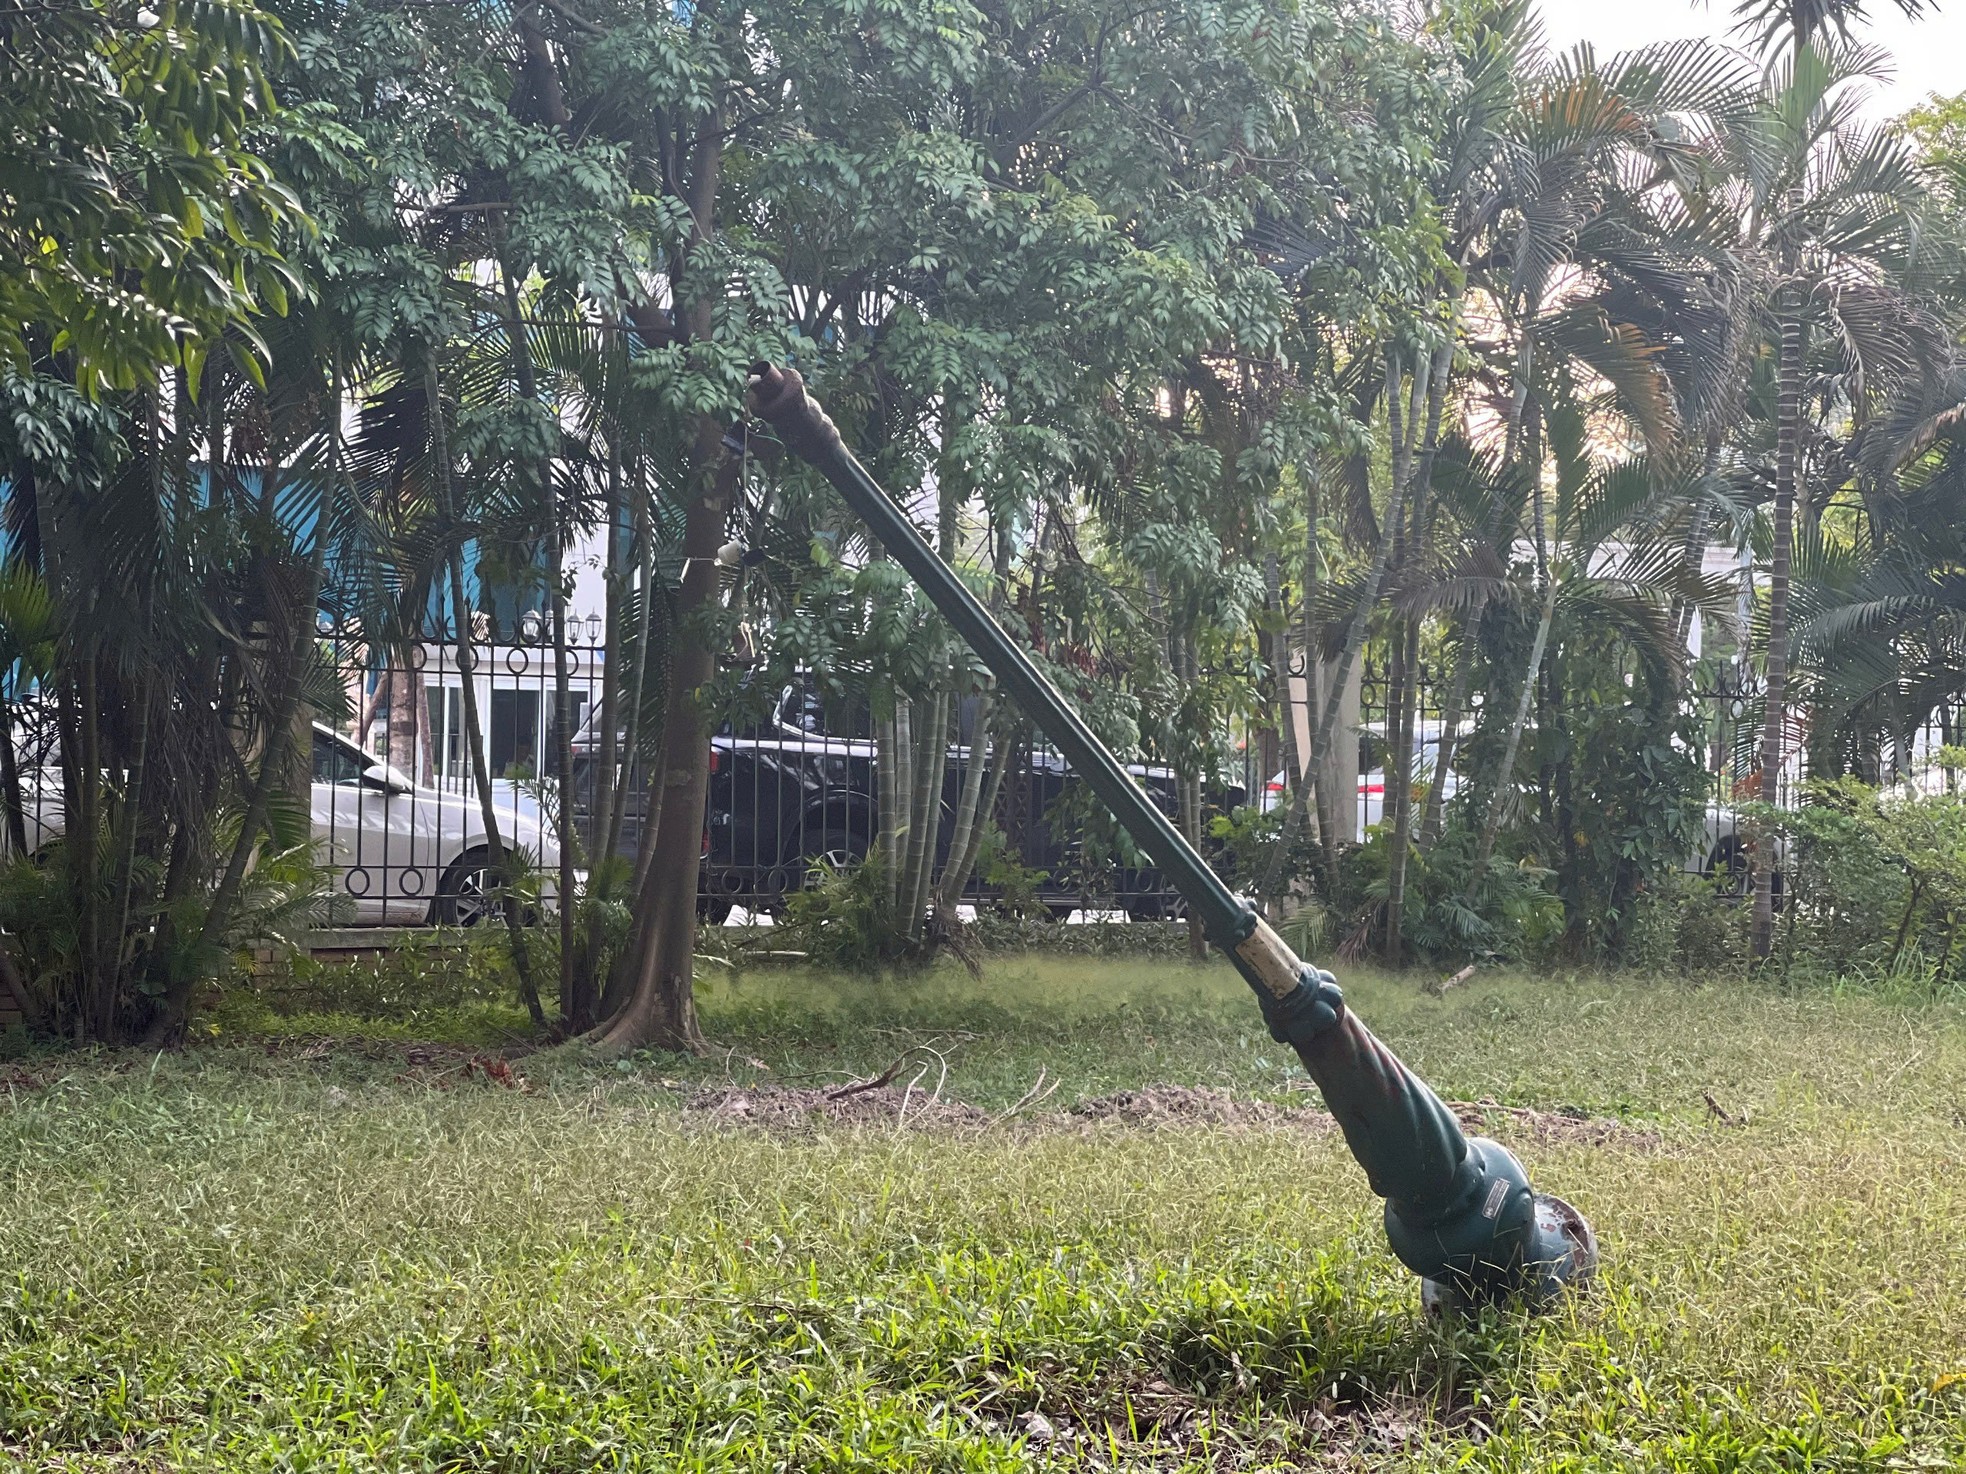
[[263, 1255]]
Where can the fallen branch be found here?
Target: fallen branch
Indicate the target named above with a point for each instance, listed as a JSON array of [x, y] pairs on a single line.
[[1720, 1113], [887, 1076], [1038, 1094], [1437, 989], [25, 1003]]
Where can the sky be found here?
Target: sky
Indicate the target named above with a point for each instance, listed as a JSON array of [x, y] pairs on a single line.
[[1929, 54]]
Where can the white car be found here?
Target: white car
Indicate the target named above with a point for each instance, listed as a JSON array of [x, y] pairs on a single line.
[[1726, 854], [1372, 784], [408, 854], [405, 854]]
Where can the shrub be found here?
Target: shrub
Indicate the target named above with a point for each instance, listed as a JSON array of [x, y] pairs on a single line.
[[415, 976]]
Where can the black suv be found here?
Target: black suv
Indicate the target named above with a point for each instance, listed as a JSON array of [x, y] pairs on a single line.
[[799, 786]]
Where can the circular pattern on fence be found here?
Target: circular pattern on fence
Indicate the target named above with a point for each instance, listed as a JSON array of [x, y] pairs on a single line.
[[410, 882], [356, 880]]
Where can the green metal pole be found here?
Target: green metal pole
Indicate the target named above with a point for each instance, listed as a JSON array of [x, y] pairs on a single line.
[[1459, 1212]]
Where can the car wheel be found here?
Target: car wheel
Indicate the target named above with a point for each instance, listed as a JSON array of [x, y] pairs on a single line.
[[1728, 869], [840, 848], [464, 895]]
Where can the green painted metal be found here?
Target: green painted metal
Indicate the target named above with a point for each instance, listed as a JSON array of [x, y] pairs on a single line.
[[1459, 1212]]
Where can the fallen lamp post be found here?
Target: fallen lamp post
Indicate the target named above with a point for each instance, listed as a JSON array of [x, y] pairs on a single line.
[[1460, 1212]]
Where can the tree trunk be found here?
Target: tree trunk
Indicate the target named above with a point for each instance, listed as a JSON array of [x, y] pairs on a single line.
[[1691, 556], [887, 800], [282, 709], [1788, 442], [576, 992], [1505, 770], [1322, 807], [633, 737], [660, 1008], [497, 859], [10, 791], [968, 821], [931, 765], [1532, 441], [902, 829], [1450, 722], [601, 803], [1368, 599], [1399, 781], [1295, 774], [1187, 787], [1433, 389], [1526, 438], [626, 965]]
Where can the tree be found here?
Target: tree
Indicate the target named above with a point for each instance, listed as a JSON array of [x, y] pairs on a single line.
[[140, 229], [164, 599], [1824, 209]]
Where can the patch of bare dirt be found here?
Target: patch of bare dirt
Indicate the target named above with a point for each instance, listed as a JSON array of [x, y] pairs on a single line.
[[21, 1078], [788, 1108], [1158, 1426]]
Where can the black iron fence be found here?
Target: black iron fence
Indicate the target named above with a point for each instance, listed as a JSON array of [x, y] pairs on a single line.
[[793, 785], [394, 778], [395, 785]]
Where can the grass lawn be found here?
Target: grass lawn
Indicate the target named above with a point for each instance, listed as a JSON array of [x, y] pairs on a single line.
[[288, 1248]]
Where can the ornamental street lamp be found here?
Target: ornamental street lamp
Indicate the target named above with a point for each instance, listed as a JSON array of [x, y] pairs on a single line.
[[1460, 1212]]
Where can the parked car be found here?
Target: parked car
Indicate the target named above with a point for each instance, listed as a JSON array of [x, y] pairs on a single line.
[[405, 854], [801, 785], [1726, 854], [1372, 772]]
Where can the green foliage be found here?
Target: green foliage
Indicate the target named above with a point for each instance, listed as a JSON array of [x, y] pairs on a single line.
[[1510, 914], [286, 894], [1689, 926], [1012, 885], [844, 917], [411, 983], [1631, 793], [1126, 320], [141, 230], [1876, 882]]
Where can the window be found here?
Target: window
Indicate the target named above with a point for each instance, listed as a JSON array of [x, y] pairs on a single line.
[[336, 761], [842, 714], [514, 734], [447, 729]]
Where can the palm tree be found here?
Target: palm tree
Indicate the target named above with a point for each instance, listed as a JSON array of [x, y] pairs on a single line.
[[1597, 296], [1822, 212]]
